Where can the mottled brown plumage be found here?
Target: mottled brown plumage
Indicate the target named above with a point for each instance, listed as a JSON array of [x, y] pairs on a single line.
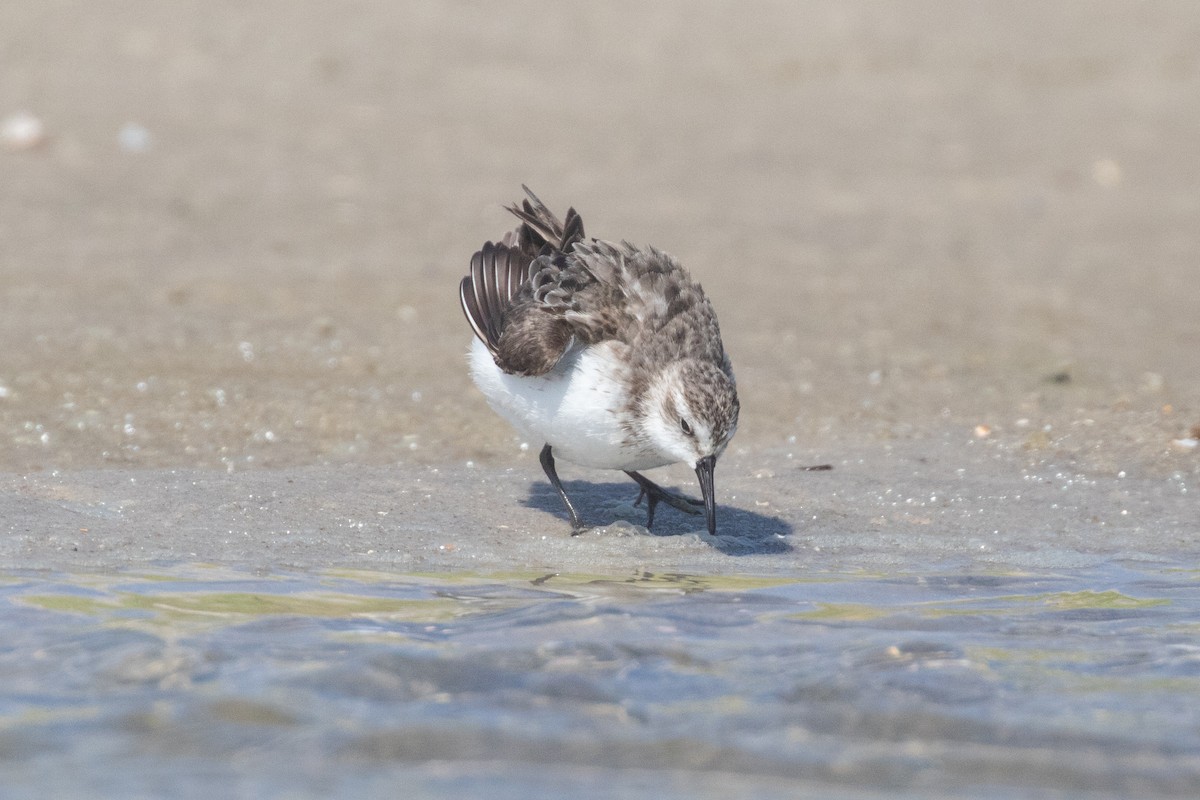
[[565, 313]]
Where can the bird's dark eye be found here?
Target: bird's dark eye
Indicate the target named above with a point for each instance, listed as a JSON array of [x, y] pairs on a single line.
[[685, 427]]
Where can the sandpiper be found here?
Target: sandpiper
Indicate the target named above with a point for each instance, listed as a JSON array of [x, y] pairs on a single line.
[[608, 353]]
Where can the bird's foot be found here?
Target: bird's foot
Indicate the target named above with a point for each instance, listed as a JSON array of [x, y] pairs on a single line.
[[655, 494], [688, 505]]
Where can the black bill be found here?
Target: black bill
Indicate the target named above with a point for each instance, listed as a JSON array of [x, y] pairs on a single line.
[[704, 472]]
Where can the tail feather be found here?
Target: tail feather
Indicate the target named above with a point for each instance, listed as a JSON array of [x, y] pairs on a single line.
[[541, 227]]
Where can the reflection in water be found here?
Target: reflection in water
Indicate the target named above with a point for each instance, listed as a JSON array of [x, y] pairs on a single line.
[[208, 680]]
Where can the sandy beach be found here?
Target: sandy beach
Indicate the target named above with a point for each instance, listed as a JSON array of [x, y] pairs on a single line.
[[941, 238]]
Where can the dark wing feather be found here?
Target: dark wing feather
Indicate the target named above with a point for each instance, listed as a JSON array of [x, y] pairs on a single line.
[[470, 307], [491, 287], [517, 270], [479, 286], [497, 274], [499, 295]]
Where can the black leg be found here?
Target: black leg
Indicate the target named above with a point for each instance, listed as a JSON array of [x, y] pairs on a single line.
[[655, 494], [547, 459]]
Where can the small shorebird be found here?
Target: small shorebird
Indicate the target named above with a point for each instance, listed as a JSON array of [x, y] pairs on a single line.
[[608, 353]]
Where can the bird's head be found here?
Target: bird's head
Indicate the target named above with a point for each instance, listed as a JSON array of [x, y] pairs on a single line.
[[692, 413]]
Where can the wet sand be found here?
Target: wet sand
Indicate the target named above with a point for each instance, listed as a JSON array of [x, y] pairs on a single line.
[[952, 248]]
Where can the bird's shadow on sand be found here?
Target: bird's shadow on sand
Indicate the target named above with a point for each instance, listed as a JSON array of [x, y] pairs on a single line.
[[739, 532]]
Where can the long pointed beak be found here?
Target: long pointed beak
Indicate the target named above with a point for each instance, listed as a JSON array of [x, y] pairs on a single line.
[[704, 472]]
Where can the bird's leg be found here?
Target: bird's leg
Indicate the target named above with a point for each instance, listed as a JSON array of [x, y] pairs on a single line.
[[655, 494], [547, 459]]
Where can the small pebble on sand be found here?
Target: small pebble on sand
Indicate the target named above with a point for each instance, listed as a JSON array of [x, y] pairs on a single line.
[[133, 138], [1106, 172], [22, 131]]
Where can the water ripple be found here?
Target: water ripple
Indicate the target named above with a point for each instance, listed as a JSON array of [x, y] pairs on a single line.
[[850, 685]]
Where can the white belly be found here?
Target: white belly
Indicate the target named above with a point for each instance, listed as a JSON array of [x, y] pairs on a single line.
[[575, 408]]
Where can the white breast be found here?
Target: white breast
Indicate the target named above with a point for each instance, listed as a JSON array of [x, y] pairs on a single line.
[[576, 408]]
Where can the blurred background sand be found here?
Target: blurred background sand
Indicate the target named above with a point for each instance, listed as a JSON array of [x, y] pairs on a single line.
[[236, 242]]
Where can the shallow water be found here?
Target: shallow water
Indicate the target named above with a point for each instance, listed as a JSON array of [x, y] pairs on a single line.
[[194, 680]]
